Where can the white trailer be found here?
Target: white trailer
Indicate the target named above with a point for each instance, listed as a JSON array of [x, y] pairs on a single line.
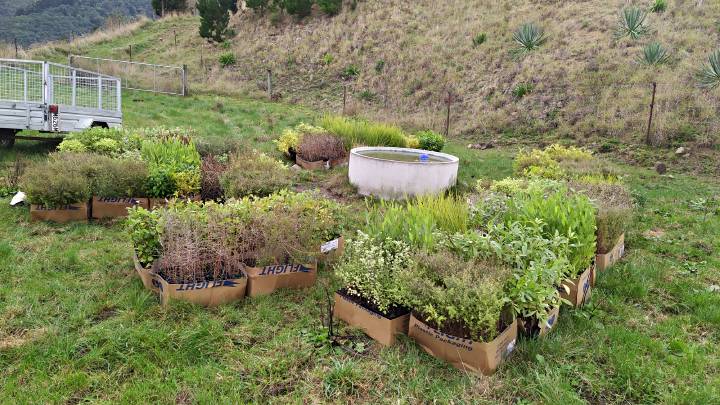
[[53, 98]]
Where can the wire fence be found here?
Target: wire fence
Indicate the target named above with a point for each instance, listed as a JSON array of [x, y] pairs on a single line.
[[155, 78]]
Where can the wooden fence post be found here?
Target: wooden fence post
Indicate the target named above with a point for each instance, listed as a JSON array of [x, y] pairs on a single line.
[[344, 99], [184, 80], [448, 100], [16, 48], [648, 139], [269, 84]]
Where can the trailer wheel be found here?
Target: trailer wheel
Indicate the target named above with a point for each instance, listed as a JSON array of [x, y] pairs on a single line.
[[7, 138]]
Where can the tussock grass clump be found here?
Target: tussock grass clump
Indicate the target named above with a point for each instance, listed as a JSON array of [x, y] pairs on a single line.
[[364, 133]]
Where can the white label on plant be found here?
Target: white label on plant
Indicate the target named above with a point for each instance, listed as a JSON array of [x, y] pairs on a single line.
[[330, 246]]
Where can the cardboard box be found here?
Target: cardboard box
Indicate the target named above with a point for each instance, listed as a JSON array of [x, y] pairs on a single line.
[[68, 213], [465, 354], [162, 202], [332, 251], [604, 261], [206, 293], [321, 164], [378, 327], [115, 207], [580, 288], [531, 329], [146, 275], [266, 280]]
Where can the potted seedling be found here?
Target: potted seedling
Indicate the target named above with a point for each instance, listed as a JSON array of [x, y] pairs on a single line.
[[58, 189], [460, 311], [370, 297], [321, 151], [118, 185], [173, 170], [144, 228]]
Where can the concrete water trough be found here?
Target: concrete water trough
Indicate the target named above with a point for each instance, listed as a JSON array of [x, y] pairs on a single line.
[[399, 173]]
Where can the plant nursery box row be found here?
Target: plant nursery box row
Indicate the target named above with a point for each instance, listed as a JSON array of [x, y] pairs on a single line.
[[257, 281], [604, 261], [321, 164], [99, 208]]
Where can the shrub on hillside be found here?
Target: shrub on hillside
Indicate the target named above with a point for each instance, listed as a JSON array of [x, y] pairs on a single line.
[[254, 174], [298, 8], [430, 140], [214, 18], [168, 6], [479, 39], [330, 7], [321, 147], [227, 59]]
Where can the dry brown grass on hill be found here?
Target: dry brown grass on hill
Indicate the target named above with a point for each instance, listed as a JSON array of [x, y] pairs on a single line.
[[583, 84]]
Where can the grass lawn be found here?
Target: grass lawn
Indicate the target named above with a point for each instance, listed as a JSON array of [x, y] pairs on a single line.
[[77, 325]]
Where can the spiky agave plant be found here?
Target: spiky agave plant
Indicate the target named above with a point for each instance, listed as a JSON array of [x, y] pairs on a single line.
[[632, 23], [530, 37], [709, 74], [654, 54]]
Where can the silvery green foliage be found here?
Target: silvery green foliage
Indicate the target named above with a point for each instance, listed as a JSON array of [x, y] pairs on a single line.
[[370, 269]]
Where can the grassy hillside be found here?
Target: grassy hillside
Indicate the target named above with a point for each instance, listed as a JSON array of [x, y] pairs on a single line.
[[582, 86], [76, 324]]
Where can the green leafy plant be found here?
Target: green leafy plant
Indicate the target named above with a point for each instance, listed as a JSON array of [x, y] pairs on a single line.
[[72, 145], [461, 298], [659, 6], [564, 163], [654, 54], [174, 167], [327, 59], [522, 89], [254, 174], [564, 214], [631, 23], [145, 230], [356, 132], [709, 74], [430, 140], [479, 39], [350, 72], [227, 59], [529, 37], [369, 269]]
